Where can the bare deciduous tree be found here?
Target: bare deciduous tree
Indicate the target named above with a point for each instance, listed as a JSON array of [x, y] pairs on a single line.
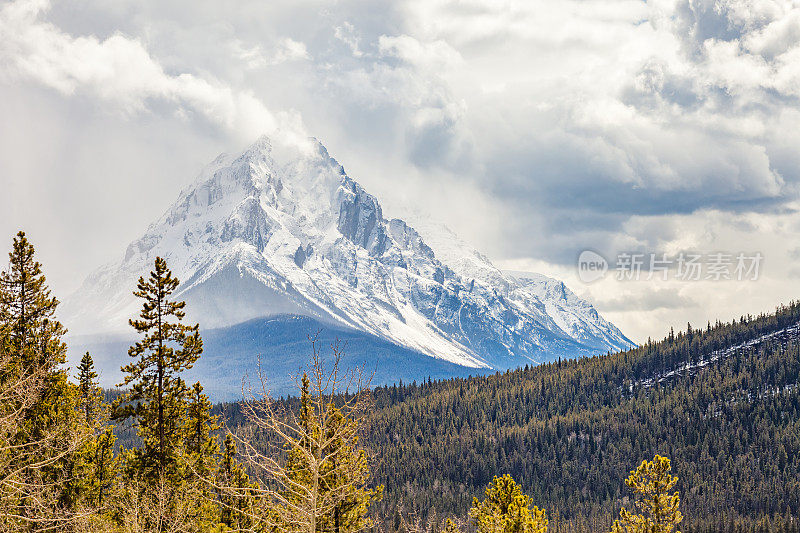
[[312, 475], [160, 507]]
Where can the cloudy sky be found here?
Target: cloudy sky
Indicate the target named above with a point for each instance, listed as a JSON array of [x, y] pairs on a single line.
[[535, 129]]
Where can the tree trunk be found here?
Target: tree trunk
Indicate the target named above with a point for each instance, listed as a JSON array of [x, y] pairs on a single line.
[[160, 391]]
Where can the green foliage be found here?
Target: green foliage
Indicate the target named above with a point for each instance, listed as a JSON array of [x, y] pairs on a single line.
[[96, 471], [97, 467], [104, 466], [326, 465], [346, 471], [505, 509], [40, 428], [89, 391], [199, 445], [651, 483], [157, 399], [236, 493], [573, 427], [300, 480], [27, 311], [169, 475]]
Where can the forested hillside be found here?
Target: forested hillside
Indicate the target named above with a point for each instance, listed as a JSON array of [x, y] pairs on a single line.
[[721, 401]]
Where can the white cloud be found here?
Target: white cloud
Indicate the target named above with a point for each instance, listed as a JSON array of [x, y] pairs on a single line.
[[572, 124], [348, 34], [121, 71], [432, 56], [255, 57]]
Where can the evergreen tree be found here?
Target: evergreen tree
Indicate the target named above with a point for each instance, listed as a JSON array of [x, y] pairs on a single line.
[[157, 399], [27, 311], [200, 450], [96, 464], [105, 465], [199, 445], [346, 471], [43, 434], [237, 494], [505, 509], [651, 483], [101, 462], [96, 469], [90, 393], [338, 480]]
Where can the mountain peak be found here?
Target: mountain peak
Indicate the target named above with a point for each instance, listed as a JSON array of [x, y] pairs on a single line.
[[283, 229]]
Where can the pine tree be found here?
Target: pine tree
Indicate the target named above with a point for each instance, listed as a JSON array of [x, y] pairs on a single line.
[[200, 450], [42, 434], [346, 471], [236, 493], [27, 311], [199, 445], [337, 481], [157, 398], [505, 509], [96, 472], [90, 393], [651, 483], [105, 467], [95, 468]]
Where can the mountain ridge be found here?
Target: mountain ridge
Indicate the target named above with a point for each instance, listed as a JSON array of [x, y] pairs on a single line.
[[284, 230]]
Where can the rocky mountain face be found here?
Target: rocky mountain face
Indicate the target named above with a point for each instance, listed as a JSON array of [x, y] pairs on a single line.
[[285, 231]]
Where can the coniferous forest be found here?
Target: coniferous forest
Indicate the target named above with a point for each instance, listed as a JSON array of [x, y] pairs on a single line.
[[698, 432]]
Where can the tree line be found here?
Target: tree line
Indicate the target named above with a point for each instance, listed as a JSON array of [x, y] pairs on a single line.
[[341, 457]]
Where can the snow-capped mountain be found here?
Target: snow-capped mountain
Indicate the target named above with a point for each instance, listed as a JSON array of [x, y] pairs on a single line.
[[285, 231]]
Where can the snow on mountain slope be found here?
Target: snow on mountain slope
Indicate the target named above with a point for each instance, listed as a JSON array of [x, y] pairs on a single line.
[[287, 231], [547, 298], [577, 317]]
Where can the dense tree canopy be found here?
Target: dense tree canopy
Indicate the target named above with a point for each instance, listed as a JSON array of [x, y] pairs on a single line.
[[725, 409]]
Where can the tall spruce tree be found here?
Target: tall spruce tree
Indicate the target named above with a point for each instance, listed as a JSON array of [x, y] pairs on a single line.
[[313, 457], [90, 393], [199, 444], [27, 311], [200, 423], [346, 471], [44, 431], [157, 398], [326, 472], [104, 466], [97, 463], [236, 493], [200, 450]]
